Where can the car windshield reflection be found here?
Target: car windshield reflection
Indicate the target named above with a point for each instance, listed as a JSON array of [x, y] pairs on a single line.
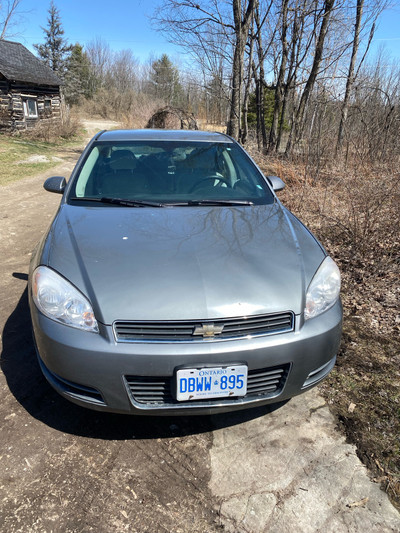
[[154, 173]]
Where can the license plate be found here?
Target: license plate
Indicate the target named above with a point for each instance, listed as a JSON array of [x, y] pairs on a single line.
[[206, 383]]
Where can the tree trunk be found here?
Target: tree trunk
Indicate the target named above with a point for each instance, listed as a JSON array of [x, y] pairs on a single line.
[[241, 32], [246, 96], [350, 76], [293, 65], [234, 116], [279, 89], [298, 123], [260, 83]]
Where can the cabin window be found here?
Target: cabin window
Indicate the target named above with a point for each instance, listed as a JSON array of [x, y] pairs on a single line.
[[30, 108]]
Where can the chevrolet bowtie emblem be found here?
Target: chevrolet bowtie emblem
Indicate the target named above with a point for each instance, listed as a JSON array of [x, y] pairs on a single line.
[[208, 330]]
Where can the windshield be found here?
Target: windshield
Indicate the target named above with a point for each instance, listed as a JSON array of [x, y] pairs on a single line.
[[176, 172]]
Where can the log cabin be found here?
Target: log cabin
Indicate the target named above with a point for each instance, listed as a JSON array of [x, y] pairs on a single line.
[[29, 90]]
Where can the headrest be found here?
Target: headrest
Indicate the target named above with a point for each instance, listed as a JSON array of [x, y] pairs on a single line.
[[122, 160]]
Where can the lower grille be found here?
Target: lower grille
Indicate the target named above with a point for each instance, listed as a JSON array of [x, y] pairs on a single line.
[[155, 391], [188, 330]]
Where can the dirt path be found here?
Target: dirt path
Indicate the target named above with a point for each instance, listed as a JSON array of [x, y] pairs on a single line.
[[93, 126], [67, 469]]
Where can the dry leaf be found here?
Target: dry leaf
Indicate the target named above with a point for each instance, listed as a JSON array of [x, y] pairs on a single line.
[[380, 479], [351, 407], [360, 503]]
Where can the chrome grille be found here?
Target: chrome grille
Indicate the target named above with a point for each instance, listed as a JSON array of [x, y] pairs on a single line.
[[183, 330], [159, 390]]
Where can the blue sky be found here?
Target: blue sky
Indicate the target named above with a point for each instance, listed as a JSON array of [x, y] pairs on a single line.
[[388, 31], [121, 23], [125, 24]]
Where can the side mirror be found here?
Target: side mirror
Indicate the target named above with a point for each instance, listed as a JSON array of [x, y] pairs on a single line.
[[55, 184], [276, 183]]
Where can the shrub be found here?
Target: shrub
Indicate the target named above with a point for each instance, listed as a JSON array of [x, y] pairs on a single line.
[[52, 130]]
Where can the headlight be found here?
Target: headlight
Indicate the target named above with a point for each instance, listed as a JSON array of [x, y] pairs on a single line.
[[323, 290], [56, 298]]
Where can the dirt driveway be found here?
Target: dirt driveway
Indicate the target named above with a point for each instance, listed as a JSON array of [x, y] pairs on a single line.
[[67, 469]]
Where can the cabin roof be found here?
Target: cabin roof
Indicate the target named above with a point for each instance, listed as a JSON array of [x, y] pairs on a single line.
[[17, 63]]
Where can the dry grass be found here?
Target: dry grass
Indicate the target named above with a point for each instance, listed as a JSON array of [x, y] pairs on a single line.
[[53, 131], [131, 109], [205, 126], [29, 152], [356, 215], [18, 158]]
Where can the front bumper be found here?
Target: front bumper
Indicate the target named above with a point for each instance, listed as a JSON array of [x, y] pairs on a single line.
[[93, 370]]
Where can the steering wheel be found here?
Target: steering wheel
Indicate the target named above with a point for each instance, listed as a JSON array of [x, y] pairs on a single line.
[[214, 177]]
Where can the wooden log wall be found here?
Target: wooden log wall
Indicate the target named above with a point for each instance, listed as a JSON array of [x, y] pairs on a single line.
[[12, 96]]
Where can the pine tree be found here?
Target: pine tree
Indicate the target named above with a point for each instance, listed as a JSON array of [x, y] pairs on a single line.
[[77, 75], [55, 50], [164, 79]]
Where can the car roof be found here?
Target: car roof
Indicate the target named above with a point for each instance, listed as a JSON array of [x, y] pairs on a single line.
[[163, 135]]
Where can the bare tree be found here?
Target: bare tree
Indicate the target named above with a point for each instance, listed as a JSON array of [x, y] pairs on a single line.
[[306, 49], [279, 89], [350, 76], [8, 12], [248, 80], [242, 15], [122, 69], [298, 123], [194, 23], [297, 55], [374, 113], [99, 54], [260, 17], [376, 8]]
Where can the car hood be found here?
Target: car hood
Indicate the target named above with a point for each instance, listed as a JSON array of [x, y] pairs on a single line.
[[183, 263]]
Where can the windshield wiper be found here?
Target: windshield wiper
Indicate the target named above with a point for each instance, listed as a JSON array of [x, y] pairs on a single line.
[[219, 202], [142, 203], [130, 203], [119, 201]]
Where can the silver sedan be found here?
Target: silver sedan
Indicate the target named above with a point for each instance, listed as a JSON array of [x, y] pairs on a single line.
[[173, 281]]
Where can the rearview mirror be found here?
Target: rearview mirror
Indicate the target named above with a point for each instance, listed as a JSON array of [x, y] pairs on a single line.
[[55, 184], [276, 183]]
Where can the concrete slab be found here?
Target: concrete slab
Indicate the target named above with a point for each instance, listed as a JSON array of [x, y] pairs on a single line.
[[291, 470]]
